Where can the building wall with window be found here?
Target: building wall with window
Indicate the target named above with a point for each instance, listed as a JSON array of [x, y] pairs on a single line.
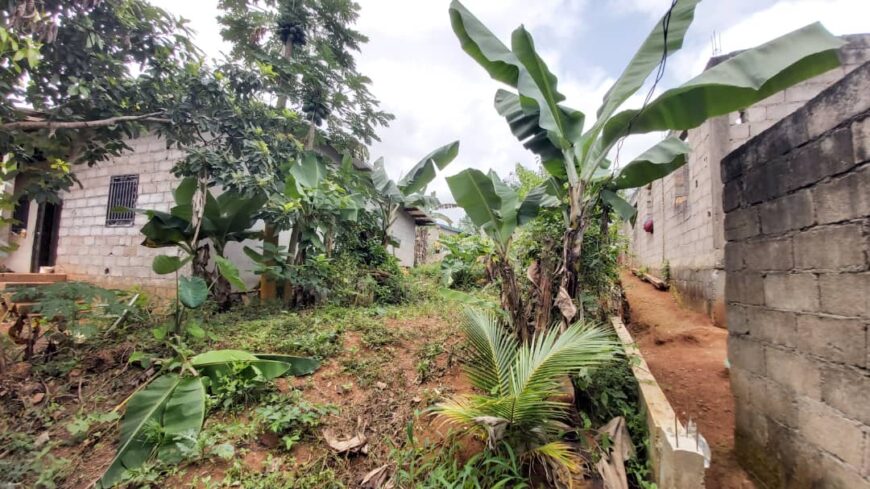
[[101, 246], [686, 206]]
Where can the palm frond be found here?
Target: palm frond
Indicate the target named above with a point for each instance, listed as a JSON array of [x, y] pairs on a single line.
[[541, 364], [461, 411], [493, 352], [558, 459]]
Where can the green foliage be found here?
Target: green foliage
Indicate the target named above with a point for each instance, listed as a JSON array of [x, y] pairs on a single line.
[[69, 300], [606, 393], [410, 190], [364, 271], [462, 266], [495, 207], [75, 311], [291, 417], [521, 383], [70, 63], [82, 424], [24, 461], [225, 219], [424, 466], [305, 52], [164, 418]]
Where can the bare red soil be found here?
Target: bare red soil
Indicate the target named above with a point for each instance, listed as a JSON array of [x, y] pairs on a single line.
[[686, 354]]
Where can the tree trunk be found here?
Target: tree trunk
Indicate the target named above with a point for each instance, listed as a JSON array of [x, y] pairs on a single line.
[[544, 292], [571, 252], [268, 287], [511, 300]]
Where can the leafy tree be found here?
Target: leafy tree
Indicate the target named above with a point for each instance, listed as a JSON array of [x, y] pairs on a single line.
[[79, 77], [305, 49], [579, 160], [309, 46]]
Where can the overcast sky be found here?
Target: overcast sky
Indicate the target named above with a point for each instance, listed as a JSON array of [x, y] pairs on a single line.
[[439, 94]]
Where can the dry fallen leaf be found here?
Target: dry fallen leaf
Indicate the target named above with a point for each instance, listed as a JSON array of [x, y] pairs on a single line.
[[355, 444], [37, 398], [377, 479], [381, 385], [41, 440]]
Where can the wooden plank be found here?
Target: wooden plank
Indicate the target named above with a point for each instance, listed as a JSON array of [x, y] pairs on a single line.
[[656, 282], [33, 277]]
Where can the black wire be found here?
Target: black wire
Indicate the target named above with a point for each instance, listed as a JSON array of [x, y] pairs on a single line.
[[666, 22]]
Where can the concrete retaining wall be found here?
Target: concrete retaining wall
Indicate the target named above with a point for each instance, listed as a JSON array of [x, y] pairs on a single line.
[[797, 257]]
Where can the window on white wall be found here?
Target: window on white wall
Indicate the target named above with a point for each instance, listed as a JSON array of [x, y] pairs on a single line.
[[123, 192]]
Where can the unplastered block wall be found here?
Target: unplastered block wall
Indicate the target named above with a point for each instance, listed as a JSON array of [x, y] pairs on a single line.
[[689, 236], [112, 256], [797, 257]]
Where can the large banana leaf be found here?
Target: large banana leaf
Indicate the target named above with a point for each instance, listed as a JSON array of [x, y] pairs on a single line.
[[620, 205], [738, 82], [654, 163], [475, 193], [144, 407], [309, 172], [424, 171], [216, 364], [508, 199], [537, 83], [540, 196], [298, 365], [382, 183], [649, 55], [483, 46], [523, 123], [182, 419]]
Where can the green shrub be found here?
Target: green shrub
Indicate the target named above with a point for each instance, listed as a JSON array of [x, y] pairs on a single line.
[[463, 265]]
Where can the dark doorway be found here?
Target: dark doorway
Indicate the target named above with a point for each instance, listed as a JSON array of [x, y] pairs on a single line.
[[45, 240]]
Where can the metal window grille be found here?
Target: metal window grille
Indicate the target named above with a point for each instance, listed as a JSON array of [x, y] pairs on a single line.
[[123, 192]]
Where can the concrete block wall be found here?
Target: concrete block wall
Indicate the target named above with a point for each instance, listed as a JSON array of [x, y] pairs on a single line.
[[691, 238], [112, 256], [797, 257]]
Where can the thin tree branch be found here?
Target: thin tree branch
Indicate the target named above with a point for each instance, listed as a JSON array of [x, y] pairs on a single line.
[[19, 125]]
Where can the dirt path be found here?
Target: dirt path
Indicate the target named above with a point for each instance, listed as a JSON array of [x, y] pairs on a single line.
[[686, 353]]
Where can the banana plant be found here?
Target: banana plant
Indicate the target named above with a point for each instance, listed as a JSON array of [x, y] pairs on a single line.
[[165, 416], [496, 209], [533, 108], [222, 219], [520, 382], [410, 190]]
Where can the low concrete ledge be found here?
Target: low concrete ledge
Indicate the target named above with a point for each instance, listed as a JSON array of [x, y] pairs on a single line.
[[679, 454]]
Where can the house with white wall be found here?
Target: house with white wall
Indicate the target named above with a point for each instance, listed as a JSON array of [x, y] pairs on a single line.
[[86, 238]]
